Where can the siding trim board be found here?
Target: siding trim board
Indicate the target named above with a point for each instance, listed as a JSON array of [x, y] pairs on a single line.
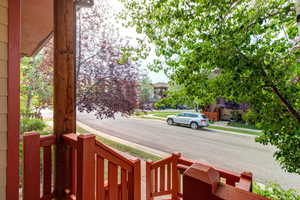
[[13, 102]]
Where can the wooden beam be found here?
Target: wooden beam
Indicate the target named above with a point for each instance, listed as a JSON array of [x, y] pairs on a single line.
[[13, 107], [64, 86]]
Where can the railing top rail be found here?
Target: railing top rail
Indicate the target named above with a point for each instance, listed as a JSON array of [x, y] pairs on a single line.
[[71, 139], [223, 173], [228, 192], [162, 162], [47, 140], [113, 156]]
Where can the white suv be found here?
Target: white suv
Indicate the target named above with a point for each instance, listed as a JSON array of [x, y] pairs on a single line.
[[193, 120]]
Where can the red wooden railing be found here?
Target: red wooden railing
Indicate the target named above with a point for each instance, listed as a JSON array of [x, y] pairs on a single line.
[[34, 145], [96, 171], [165, 177], [116, 176]]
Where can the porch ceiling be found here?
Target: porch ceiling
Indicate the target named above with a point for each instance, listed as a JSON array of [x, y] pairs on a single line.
[[36, 24]]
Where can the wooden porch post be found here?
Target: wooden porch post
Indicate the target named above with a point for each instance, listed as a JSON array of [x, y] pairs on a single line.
[[64, 86]]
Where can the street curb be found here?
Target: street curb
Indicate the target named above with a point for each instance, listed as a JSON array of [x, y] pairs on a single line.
[[229, 132], [210, 129], [124, 142]]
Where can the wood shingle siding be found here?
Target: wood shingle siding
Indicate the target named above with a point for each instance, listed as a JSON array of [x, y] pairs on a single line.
[[3, 94]]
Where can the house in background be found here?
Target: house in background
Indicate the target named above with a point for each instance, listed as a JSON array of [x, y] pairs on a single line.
[[159, 90], [226, 110]]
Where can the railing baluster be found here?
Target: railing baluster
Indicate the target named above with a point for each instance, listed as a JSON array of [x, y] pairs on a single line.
[[169, 176], [156, 180], [130, 186], [74, 170], [137, 179], [113, 181], [162, 178], [149, 180], [100, 192], [47, 160], [124, 184], [31, 190]]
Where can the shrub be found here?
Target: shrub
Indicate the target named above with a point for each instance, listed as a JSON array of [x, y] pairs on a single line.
[[275, 192], [140, 113], [31, 124], [236, 116], [249, 117]]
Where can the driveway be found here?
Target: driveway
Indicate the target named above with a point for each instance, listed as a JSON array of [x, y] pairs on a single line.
[[229, 151]]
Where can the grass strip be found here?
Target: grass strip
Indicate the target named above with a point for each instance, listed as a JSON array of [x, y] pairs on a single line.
[[235, 130], [124, 148], [242, 125]]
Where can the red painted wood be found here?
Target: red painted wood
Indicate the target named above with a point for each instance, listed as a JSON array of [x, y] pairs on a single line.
[[130, 186], [100, 193], [74, 171], [137, 179], [124, 184], [179, 182], [47, 140], [156, 180], [113, 181], [175, 181], [47, 161], [200, 181], [13, 106], [245, 182], [31, 173], [162, 178], [169, 176], [113, 156], [149, 180], [228, 192], [86, 167]]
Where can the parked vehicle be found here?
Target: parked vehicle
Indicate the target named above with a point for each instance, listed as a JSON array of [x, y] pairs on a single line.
[[193, 120]]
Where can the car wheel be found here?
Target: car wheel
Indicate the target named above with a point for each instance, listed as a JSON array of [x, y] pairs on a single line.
[[194, 125], [170, 121]]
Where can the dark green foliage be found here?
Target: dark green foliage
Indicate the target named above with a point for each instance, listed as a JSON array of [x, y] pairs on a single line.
[[275, 192], [32, 124], [244, 51]]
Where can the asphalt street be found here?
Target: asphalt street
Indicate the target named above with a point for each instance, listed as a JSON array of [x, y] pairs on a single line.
[[228, 151]]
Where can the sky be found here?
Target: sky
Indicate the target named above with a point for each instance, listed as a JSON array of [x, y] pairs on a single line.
[[154, 76], [158, 77]]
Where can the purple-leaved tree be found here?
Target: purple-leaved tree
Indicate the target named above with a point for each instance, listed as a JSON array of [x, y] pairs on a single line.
[[106, 77]]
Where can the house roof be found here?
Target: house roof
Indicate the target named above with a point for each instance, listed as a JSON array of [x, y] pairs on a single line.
[[160, 85], [36, 25]]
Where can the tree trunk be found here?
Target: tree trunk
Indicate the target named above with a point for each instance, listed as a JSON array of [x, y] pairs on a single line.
[[286, 103], [28, 102], [297, 4]]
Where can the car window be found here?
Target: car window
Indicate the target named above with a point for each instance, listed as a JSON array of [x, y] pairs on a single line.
[[204, 116], [180, 115], [191, 115], [187, 115]]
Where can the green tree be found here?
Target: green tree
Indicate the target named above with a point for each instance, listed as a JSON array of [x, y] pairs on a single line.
[[145, 91], [36, 84], [176, 95], [242, 50]]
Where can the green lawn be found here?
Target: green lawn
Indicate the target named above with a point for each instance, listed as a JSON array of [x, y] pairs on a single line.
[[162, 114], [242, 125]]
